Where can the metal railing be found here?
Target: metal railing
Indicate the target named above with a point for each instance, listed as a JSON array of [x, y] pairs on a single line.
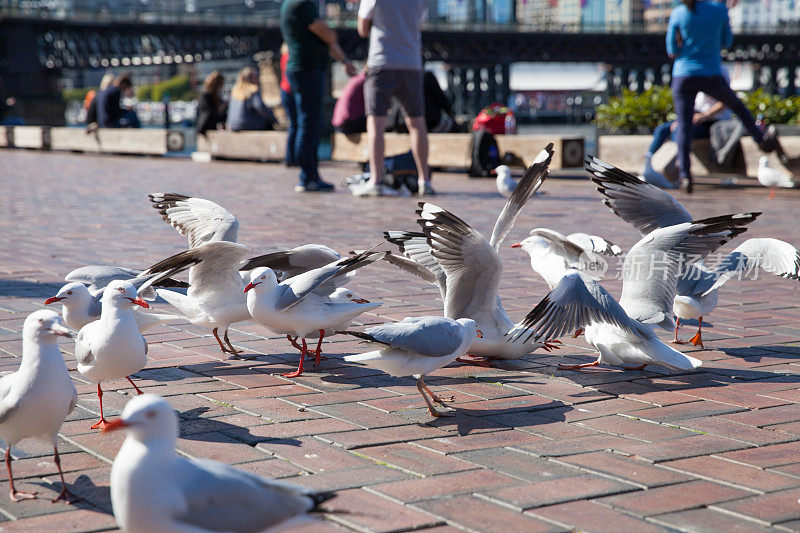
[[543, 19]]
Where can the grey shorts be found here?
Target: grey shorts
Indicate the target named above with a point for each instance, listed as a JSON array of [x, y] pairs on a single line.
[[405, 85]]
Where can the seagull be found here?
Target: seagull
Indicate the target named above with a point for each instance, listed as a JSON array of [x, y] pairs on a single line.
[[698, 288], [647, 208], [415, 347], [79, 307], [301, 306], [505, 183], [35, 400], [772, 177], [467, 268], [552, 253], [623, 331], [202, 221], [153, 489], [112, 347]]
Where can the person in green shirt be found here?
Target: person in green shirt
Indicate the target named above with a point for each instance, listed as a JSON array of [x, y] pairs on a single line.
[[310, 42]]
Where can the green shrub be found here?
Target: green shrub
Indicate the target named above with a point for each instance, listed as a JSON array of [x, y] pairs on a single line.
[[636, 112], [144, 93], [773, 108], [640, 113]]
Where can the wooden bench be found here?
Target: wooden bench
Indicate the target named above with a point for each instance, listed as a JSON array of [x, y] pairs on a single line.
[[5, 137], [143, 141], [244, 145], [33, 137], [627, 152], [452, 149]]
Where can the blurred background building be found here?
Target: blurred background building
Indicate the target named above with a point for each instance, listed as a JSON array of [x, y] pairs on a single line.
[[551, 60]]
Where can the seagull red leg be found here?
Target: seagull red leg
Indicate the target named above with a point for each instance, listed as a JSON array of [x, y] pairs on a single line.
[[697, 340], [233, 351], [137, 389], [318, 353], [103, 422], [676, 340], [431, 409], [299, 370], [293, 340], [14, 494], [65, 494], [578, 367], [222, 347], [476, 360], [435, 397]]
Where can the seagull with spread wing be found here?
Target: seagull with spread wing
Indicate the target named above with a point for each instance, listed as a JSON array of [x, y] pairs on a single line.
[[623, 331], [648, 208], [466, 266]]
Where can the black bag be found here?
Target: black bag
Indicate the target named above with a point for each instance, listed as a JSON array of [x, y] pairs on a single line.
[[403, 171], [484, 153]]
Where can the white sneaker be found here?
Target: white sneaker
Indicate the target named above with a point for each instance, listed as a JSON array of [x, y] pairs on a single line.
[[368, 189]]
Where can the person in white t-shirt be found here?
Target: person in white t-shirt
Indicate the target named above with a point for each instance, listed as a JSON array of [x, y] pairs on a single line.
[[394, 69]]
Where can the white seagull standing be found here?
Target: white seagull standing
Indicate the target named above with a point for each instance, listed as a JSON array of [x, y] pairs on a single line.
[[79, 307], [646, 208], [35, 400], [622, 332], [467, 268], [415, 347], [772, 177], [505, 183], [301, 306], [155, 490], [112, 347]]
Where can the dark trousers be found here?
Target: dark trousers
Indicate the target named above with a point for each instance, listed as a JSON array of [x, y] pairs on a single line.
[[307, 86], [663, 133], [684, 92], [290, 106]]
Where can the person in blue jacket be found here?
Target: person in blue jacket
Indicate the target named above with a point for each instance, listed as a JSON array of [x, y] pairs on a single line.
[[697, 31]]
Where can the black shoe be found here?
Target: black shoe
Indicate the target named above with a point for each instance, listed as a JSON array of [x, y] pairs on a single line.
[[769, 143], [320, 186]]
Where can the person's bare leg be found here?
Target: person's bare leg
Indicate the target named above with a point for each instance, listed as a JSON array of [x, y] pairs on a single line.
[[376, 125], [419, 147]]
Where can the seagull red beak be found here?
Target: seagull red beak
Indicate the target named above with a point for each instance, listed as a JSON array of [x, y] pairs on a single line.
[[479, 333], [361, 300], [139, 301], [251, 285], [517, 245], [112, 425], [493, 172], [54, 299]]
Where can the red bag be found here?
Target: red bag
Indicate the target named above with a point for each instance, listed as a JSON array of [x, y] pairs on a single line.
[[492, 118]]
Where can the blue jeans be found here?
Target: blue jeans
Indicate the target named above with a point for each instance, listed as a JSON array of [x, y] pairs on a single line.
[[307, 86], [684, 92], [290, 106], [662, 133]]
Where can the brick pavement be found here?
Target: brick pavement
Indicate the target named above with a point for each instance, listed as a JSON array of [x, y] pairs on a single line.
[[531, 449]]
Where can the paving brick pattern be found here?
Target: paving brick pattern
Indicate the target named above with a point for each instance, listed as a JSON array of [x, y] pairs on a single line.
[[532, 448]]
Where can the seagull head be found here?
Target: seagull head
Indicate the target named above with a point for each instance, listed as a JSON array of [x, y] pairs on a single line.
[[503, 172], [148, 417], [45, 326], [472, 328], [345, 295], [261, 276], [71, 294], [123, 294]]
